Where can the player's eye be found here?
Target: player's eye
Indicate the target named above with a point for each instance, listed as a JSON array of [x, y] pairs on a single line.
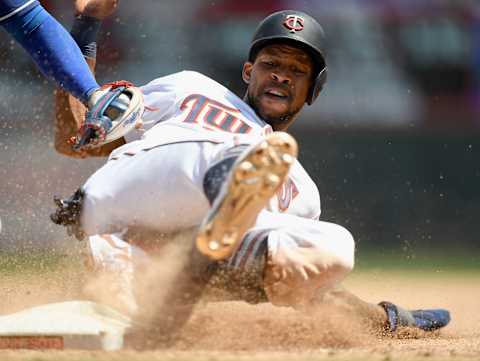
[[299, 71]]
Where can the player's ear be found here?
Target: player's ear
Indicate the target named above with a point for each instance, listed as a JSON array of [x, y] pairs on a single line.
[[247, 72]]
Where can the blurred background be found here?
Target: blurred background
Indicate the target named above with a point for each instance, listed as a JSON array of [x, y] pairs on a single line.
[[393, 142]]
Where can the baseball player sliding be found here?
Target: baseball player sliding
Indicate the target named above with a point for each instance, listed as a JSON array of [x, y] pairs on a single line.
[[226, 165]]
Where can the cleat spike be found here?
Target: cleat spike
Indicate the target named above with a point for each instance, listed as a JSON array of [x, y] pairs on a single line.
[[272, 180], [213, 245], [245, 168], [287, 158]]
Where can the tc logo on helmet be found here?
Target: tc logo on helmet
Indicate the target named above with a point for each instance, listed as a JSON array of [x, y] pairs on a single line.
[[294, 23]]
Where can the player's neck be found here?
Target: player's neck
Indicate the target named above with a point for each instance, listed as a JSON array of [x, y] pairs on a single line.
[[276, 125]]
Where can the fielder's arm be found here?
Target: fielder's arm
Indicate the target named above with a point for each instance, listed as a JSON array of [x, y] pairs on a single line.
[[69, 112], [69, 115]]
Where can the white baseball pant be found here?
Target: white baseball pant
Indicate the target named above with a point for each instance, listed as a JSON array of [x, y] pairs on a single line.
[[161, 189]]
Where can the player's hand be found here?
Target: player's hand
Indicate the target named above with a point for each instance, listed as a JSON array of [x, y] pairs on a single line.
[[113, 110], [99, 9]]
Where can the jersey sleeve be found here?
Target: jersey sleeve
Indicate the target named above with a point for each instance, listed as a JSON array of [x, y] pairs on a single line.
[[50, 46], [160, 98], [9, 8]]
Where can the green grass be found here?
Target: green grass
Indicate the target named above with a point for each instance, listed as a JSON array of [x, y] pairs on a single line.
[[37, 261], [25, 261], [447, 260]]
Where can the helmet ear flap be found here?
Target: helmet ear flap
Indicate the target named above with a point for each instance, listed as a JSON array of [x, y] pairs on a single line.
[[317, 86]]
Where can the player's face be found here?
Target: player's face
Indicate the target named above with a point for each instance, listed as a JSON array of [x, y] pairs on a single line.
[[278, 83]]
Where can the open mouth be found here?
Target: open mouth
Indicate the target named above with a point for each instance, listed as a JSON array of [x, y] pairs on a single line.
[[277, 94]]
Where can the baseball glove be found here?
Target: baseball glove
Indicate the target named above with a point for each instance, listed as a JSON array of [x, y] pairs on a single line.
[[114, 110]]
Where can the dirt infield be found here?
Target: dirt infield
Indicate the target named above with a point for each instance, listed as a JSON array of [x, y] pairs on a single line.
[[238, 331]]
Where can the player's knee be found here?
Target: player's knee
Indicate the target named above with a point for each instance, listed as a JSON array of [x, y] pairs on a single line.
[[314, 265], [336, 261]]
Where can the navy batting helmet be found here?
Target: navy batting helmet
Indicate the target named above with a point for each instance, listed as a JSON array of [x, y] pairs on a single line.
[[303, 31]]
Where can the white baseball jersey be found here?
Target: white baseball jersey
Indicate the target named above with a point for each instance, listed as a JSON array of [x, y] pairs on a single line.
[[188, 106], [156, 182]]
